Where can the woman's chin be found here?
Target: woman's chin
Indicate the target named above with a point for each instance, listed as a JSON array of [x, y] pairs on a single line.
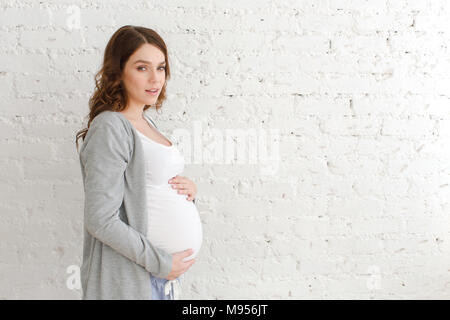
[[150, 101]]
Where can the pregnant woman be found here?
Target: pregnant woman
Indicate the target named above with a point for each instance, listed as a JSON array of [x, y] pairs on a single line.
[[142, 230]]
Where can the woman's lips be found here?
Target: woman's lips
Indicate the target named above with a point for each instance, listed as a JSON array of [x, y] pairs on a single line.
[[152, 93]]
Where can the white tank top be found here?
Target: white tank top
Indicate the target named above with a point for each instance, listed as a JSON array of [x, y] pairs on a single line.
[[173, 222]]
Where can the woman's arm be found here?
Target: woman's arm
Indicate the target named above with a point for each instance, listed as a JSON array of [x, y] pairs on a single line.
[[104, 157]]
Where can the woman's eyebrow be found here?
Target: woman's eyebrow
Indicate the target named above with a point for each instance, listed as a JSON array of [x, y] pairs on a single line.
[[147, 62]]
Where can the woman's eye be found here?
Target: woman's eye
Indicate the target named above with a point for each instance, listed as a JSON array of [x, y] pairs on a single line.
[[140, 68]]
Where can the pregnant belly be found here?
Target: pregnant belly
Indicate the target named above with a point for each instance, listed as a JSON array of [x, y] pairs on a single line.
[[174, 224]]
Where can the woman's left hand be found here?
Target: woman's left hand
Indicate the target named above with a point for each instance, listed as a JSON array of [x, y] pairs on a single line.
[[184, 186]]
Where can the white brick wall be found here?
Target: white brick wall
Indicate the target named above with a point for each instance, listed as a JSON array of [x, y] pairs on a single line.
[[359, 91]]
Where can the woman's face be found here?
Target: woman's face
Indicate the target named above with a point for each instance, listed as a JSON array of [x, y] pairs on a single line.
[[144, 71]]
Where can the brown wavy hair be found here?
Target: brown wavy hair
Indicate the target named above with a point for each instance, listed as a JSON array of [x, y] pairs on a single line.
[[110, 93]]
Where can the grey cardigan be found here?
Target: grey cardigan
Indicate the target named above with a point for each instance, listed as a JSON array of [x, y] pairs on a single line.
[[117, 256]]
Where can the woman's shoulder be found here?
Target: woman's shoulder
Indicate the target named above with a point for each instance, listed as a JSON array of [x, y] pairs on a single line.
[[108, 123], [107, 117], [107, 126]]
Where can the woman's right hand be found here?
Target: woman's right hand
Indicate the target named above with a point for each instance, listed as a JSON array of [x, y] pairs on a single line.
[[178, 265]]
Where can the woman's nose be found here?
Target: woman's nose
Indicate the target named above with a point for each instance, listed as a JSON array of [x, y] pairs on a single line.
[[152, 75], [153, 78]]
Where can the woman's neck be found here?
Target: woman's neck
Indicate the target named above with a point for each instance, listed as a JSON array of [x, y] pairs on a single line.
[[133, 113]]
